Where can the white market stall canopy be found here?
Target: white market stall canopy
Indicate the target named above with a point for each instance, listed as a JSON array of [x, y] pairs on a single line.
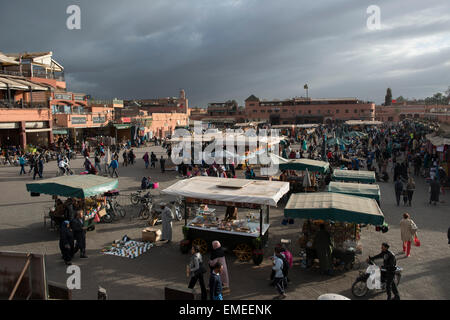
[[304, 126], [364, 123], [334, 207], [438, 140], [260, 192]]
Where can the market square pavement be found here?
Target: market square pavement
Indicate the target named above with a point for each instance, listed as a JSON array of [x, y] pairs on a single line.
[[425, 275]]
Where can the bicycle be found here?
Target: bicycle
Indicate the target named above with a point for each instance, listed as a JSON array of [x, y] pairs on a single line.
[[114, 211]]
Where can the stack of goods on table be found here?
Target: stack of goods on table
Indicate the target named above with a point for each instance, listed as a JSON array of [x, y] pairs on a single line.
[[128, 248], [344, 235]]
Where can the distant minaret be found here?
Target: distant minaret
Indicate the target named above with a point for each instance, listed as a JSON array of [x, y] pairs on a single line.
[[183, 101]]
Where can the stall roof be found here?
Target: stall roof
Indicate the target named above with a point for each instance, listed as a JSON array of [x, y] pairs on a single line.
[[335, 207], [360, 122], [354, 175], [256, 192], [303, 164], [306, 125], [76, 186], [357, 189], [438, 140]]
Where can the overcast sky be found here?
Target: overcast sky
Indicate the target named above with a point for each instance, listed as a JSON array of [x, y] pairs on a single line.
[[228, 49]]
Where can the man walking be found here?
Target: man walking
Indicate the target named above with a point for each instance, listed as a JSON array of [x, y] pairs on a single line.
[[278, 273], [22, 164], [146, 159], [79, 233], [215, 282], [390, 265], [398, 190], [162, 162], [435, 189], [153, 160], [114, 165]]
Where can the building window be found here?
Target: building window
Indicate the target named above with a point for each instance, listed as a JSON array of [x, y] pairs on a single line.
[[299, 111], [309, 111], [254, 111], [318, 111], [337, 110], [284, 110], [263, 111], [346, 110], [362, 110], [251, 104], [329, 111], [356, 110], [269, 111]]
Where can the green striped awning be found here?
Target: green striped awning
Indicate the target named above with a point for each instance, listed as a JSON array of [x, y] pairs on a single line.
[[76, 186], [334, 207], [122, 126], [60, 131]]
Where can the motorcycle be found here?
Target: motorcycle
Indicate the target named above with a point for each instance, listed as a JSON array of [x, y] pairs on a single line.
[[361, 286], [135, 197]]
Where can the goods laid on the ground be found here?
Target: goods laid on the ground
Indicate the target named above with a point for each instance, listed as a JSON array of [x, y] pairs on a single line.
[[128, 249]]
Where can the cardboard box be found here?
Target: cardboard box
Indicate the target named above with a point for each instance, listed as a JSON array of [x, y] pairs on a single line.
[[102, 213], [151, 234]]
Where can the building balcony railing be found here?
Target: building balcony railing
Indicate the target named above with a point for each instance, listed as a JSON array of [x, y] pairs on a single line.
[[23, 105], [106, 101], [36, 74]]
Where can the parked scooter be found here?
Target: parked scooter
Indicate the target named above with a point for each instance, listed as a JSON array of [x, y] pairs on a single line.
[[361, 286]]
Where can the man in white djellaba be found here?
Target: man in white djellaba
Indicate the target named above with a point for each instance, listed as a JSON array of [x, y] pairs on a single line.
[[167, 217]]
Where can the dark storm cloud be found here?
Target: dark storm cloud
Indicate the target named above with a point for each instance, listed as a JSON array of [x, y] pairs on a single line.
[[229, 49]]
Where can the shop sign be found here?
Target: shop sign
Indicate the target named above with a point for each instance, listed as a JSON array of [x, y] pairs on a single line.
[[126, 120], [79, 98], [78, 120], [62, 96], [98, 119]]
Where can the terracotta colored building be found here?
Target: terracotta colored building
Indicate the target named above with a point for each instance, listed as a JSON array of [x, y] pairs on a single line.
[[400, 111], [68, 114], [178, 104], [308, 110]]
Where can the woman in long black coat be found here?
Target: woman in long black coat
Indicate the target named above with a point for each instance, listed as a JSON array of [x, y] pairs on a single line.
[[66, 242]]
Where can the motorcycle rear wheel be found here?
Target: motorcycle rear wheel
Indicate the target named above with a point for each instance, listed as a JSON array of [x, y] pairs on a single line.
[[107, 218], [134, 198], [359, 288], [144, 214]]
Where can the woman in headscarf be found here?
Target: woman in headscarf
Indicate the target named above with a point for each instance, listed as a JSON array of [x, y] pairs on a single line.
[[218, 255]]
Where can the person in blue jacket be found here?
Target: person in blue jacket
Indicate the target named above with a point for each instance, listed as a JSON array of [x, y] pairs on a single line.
[[215, 282], [114, 165]]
